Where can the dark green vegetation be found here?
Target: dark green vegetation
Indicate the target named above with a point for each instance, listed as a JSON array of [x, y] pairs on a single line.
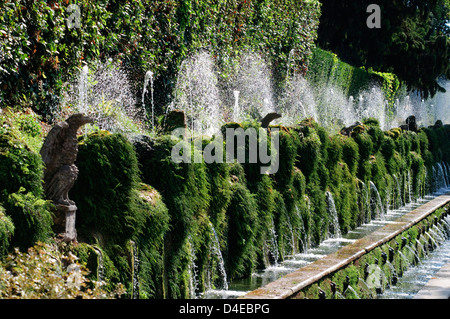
[[412, 42], [376, 271]]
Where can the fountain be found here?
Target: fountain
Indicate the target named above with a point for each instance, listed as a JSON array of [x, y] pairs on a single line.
[[376, 205], [135, 269], [236, 111], [192, 269], [272, 246], [253, 80], [103, 92], [215, 248], [149, 78], [197, 94], [334, 230]]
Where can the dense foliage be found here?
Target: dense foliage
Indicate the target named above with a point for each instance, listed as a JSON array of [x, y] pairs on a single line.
[[45, 271], [165, 229], [41, 51], [413, 41], [190, 219]]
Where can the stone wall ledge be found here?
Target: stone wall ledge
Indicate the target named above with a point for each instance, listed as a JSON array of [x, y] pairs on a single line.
[[294, 282]]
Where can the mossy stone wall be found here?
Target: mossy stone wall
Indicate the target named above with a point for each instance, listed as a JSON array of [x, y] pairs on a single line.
[[164, 228]]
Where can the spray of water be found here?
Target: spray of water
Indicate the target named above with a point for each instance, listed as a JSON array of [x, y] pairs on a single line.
[[253, 81], [197, 94], [103, 91]]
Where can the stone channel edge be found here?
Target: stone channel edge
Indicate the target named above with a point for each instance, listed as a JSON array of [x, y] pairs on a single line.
[[292, 283]]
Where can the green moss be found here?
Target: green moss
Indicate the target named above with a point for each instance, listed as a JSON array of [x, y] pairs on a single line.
[[365, 144], [32, 216], [350, 154], [150, 242], [308, 152], [288, 157], [388, 147], [241, 235], [105, 188], [185, 190], [6, 232], [20, 167]]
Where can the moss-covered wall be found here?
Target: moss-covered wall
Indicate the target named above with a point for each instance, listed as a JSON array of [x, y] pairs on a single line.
[[326, 69], [163, 229]]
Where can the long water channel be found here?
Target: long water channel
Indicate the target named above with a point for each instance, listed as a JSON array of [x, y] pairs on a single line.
[[410, 283]]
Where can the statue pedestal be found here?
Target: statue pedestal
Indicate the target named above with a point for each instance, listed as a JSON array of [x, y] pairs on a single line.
[[69, 213]]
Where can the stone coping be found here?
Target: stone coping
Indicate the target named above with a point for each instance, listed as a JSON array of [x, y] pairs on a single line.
[[294, 282]]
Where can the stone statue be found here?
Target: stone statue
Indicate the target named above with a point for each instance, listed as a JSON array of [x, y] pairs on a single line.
[[265, 122], [347, 131], [59, 153], [411, 124]]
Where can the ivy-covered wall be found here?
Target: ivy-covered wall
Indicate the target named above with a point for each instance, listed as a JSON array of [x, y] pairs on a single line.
[[45, 43]]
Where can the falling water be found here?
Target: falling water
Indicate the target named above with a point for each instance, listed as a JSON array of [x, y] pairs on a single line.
[[409, 184], [149, 78], [301, 231], [297, 101], [221, 265], [399, 192], [82, 89], [334, 228], [197, 94], [193, 276], [254, 83], [440, 177], [236, 111], [273, 253], [376, 205], [101, 267], [135, 265], [364, 203], [415, 277]]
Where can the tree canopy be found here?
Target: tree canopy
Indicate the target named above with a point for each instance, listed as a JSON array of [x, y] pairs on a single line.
[[412, 42]]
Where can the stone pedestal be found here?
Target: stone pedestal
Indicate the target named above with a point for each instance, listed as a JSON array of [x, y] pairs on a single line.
[[67, 216]]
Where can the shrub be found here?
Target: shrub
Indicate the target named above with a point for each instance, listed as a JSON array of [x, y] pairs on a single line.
[[6, 231], [19, 167], [45, 272], [242, 214], [105, 187], [32, 218]]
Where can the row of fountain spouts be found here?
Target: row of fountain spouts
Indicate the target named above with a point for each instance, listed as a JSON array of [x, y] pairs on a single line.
[[436, 232]]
